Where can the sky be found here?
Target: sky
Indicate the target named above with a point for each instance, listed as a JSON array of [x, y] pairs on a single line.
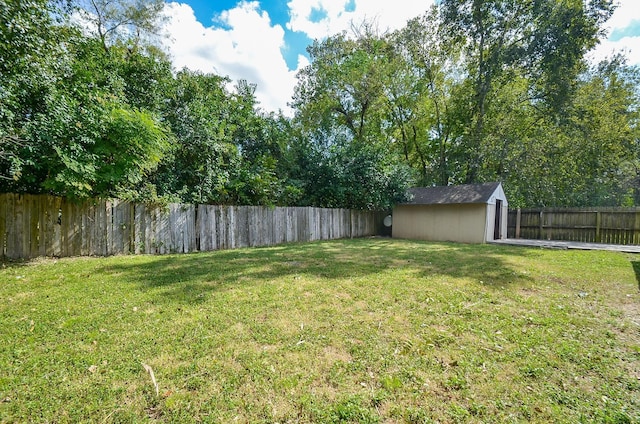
[[264, 41]]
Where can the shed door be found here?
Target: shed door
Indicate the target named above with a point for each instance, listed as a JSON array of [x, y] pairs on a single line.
[[497, 226]]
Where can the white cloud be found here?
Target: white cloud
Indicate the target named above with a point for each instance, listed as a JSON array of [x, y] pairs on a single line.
[[626, 11], [246, 46], [629, 46], [336, 18], [624, 15]]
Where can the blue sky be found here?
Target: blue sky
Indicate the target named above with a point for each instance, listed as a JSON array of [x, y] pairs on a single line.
[[264, 41], [207, 12]]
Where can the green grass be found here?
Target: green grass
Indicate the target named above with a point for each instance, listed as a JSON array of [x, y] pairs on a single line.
[[368, 331]]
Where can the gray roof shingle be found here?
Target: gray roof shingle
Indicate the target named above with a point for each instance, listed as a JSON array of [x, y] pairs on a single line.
[[467, 193]]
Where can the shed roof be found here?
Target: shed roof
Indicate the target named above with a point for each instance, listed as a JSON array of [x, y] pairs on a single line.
[[467, 193]]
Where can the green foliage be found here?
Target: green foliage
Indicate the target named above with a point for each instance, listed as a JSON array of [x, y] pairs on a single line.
[[344, 86], [342, 108], [483, 91], [419, 100], [81, 137], [127, 145], [471, 91], [134, 146], [350, 175], [131, 21], [29, 55], [587, 155], [203, 156]]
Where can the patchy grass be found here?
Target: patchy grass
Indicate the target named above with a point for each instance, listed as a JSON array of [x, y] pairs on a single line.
[[368, 331]]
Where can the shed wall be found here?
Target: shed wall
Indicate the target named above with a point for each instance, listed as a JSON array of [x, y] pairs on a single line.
[[464, 223]]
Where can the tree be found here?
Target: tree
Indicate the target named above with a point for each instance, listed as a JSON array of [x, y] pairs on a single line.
[[544, 40], [342, 90], [74, 132], [262, 140], [198, 111], [128, 145], [476, 91], [585, 157], [602, 125], [342, 102], [419, 96], [29, 55], [134, 22], [348, 175]]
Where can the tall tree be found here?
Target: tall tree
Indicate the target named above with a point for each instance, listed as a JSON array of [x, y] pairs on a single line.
[[198, 111], [30, 52], [419, 96], [544, 39], [71, 128], [342, 90], [602, 124], [135, 22], [86, 140], [342, 102], [261, 139]]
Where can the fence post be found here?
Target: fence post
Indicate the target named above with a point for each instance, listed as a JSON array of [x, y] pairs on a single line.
[[3, 222], [541, 236], [518, 218], [132, 229], [598, 225]]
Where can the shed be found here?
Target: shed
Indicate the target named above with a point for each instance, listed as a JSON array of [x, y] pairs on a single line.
[[470, 213]]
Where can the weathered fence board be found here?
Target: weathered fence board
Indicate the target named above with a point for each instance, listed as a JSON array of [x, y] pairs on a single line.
[[590, 225], [40, 225]]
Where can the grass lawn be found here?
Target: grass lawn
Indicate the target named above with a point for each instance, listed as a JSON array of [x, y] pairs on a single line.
[[367, 331]]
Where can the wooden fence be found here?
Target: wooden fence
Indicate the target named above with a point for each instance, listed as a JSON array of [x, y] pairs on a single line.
[[591, 225], [40, 225]]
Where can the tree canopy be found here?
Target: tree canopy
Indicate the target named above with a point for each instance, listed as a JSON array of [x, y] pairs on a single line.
[[471, 91]]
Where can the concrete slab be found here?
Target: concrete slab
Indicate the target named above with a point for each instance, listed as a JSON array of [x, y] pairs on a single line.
[[554, 244]]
